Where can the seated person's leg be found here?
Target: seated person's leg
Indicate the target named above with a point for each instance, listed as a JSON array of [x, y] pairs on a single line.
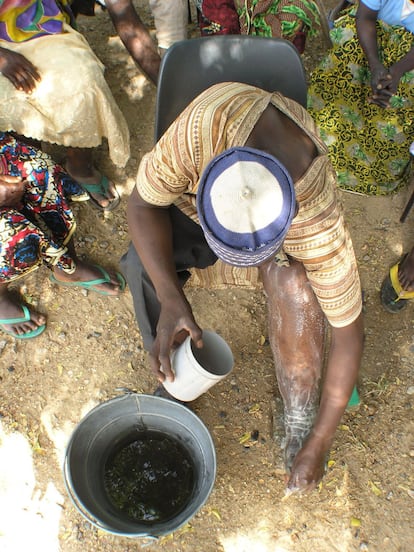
[[19, 254], [76, 112], [36, 230]]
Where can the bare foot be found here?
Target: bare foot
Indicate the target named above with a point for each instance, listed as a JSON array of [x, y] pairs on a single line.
[[86, 272], [93, 177], [9, 310]]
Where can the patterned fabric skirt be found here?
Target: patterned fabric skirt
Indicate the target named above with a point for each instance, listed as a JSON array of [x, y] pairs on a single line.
[[368, 145], [37, 231], [288, 19]]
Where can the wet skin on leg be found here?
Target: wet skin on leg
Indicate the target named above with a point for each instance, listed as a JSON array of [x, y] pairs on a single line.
[[297, 333]]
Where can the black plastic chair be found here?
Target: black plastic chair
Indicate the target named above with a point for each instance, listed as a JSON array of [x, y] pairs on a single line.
[[191, 66]]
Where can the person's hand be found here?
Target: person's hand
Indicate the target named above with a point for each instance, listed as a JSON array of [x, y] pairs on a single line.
[[379, 77], [19, 70], [384, 84], [395, 73], [11, 190], [175, 323], [308, 467]]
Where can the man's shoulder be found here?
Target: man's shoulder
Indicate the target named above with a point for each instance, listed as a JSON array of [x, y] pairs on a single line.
[[231, 88]]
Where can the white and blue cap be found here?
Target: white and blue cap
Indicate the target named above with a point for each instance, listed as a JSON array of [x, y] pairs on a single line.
[[245, 203]]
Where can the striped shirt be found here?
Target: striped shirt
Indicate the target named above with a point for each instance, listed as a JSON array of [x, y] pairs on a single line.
[[223, 117]]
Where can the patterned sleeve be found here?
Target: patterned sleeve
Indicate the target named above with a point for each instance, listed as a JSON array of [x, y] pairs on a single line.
[[220, 117], [320, 240], [168, 171]]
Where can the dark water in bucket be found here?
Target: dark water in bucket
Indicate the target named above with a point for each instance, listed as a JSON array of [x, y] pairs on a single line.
[[150, 479]]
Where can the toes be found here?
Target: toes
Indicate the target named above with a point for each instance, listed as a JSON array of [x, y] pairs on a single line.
[[37, 319]]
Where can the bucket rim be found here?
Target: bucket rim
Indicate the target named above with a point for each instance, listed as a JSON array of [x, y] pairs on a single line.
[[87, 514]]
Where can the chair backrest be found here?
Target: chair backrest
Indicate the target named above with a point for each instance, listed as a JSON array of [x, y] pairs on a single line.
[[191, 66]]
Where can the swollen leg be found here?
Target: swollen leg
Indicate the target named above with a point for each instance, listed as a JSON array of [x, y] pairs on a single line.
[[296, 334]]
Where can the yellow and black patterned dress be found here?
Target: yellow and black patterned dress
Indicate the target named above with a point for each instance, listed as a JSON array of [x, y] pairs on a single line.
[[368, 145]]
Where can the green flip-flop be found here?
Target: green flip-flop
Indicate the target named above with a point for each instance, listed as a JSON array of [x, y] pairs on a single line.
[[90, 285], [101, 188], [20, 320]]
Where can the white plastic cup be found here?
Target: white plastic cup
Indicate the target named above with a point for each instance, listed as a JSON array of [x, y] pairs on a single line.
[[196, 370]]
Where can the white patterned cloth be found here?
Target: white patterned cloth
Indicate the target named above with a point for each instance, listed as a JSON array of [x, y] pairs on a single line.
[[72, 104]]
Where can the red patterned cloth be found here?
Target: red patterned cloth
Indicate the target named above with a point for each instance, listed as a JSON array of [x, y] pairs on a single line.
[[218, 17]]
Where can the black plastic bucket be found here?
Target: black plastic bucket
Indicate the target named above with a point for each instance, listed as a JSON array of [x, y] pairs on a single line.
[[102, 430]]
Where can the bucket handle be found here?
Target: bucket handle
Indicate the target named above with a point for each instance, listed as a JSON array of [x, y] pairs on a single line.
[[94, 521]]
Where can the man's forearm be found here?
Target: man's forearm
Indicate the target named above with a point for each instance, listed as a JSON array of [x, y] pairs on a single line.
[[341, 375], [151, 234]]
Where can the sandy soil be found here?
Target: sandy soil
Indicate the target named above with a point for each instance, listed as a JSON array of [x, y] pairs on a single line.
[[92, 351]]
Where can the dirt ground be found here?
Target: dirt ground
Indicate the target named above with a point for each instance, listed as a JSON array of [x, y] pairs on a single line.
[[91, 351]]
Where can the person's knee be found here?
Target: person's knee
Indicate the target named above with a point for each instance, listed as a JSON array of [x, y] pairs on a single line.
[[290, 281], [130, 263]]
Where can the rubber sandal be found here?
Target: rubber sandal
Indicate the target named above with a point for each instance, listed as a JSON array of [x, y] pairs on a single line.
[[393, 296], [102, 188], [354, 399], [90, 285], [20, 320]]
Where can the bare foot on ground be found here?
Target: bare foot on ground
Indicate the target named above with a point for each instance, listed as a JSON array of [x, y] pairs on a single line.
[[86, 272], [94, 177]]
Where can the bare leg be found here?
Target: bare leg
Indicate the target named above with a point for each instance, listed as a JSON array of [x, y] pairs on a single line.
[[296, 333], [406, 272], [9, 308], [79, 164]]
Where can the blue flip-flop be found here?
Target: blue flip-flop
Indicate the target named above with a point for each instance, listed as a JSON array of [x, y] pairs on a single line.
[[20, 320], [90, 285]]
